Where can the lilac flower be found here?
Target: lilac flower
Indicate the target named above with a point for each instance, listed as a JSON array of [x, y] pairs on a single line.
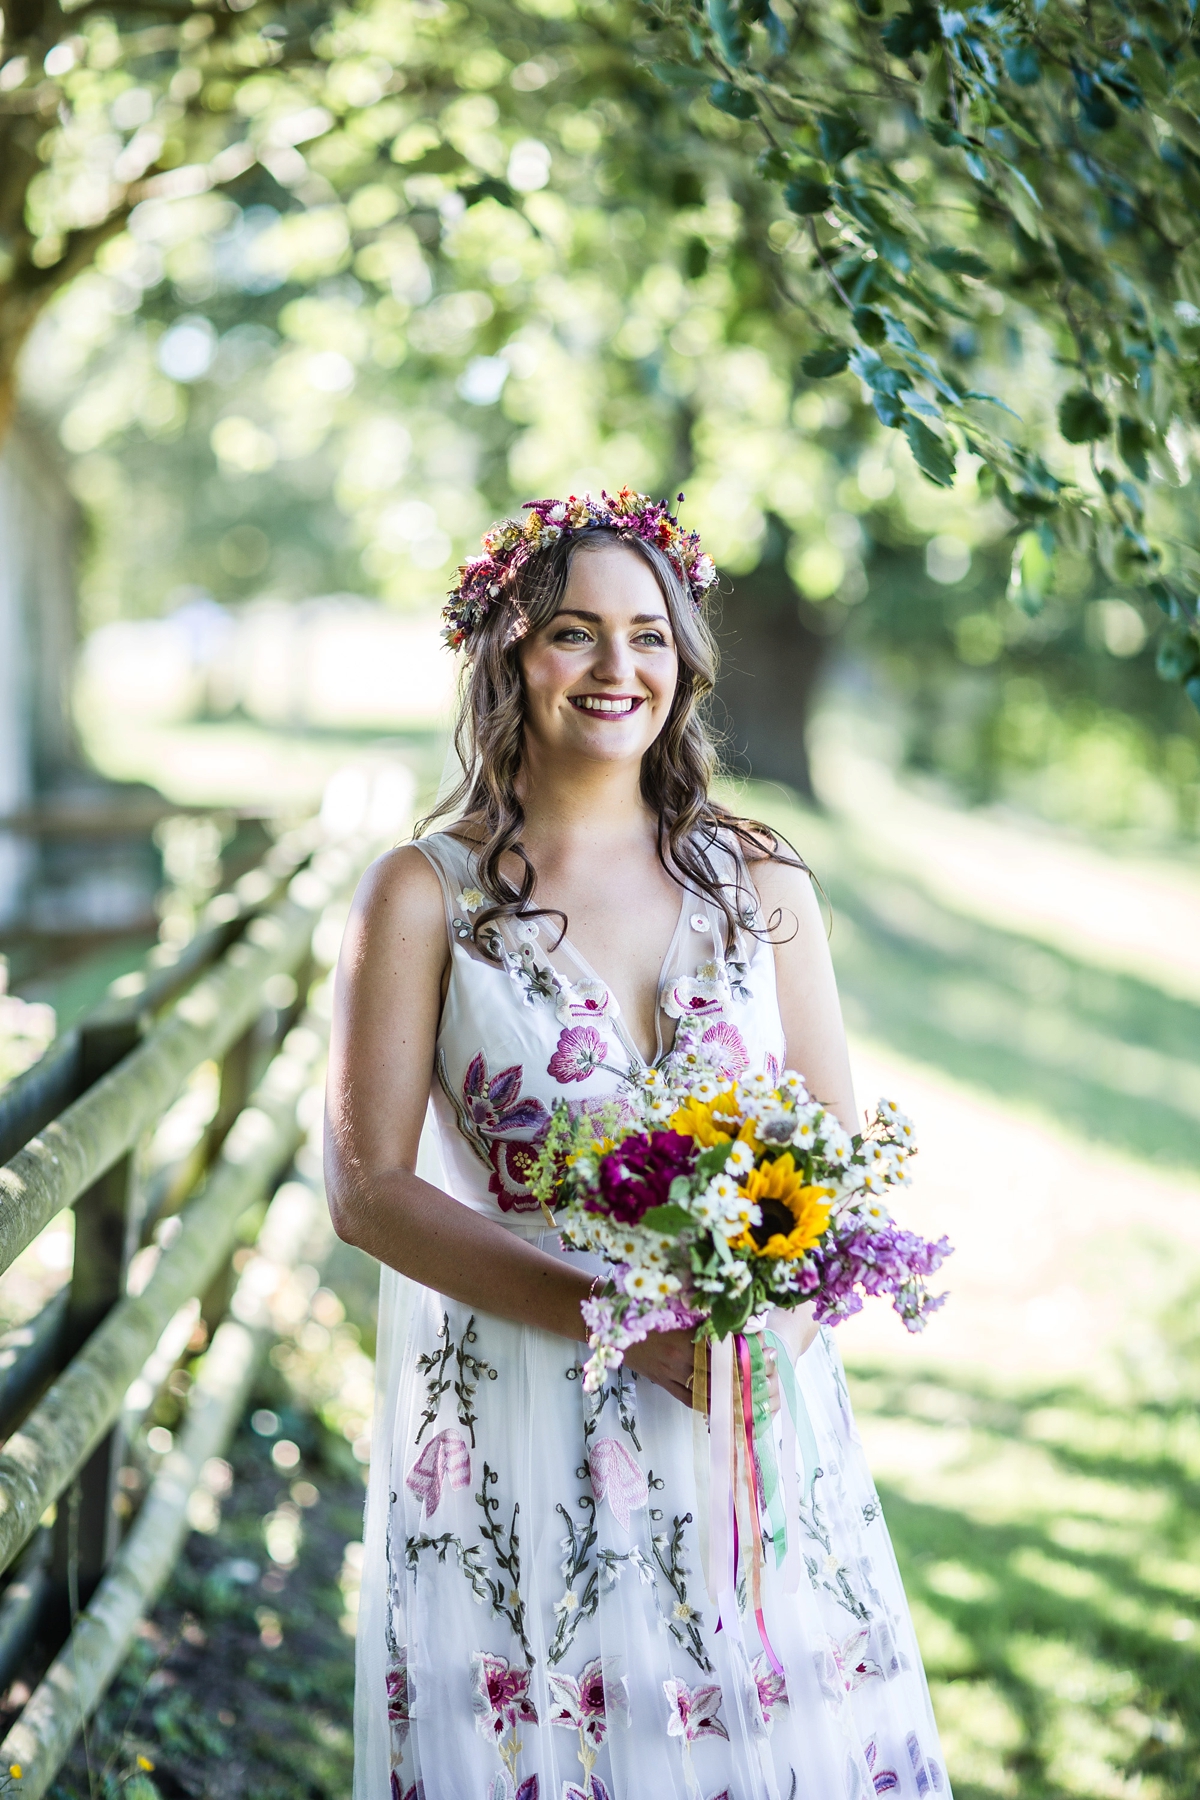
[[886, 1260], [638, 1174]]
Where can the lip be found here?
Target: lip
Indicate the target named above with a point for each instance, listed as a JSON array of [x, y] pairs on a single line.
[[628, 704]]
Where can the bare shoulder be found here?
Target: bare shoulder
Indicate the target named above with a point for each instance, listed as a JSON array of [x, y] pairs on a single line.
[[399, 901], [787, 891]]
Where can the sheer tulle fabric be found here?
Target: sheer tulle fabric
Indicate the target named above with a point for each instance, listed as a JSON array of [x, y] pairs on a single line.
[[534, 1623]]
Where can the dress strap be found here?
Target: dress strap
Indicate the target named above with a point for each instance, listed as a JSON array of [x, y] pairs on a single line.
[[452, 862]]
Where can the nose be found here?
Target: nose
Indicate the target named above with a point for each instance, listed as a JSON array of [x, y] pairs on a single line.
[[615, 663]]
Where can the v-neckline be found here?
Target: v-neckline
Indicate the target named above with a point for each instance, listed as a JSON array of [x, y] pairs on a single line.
[[618, 1022]]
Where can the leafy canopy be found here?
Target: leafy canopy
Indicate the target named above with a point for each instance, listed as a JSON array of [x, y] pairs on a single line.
[[958, 176]]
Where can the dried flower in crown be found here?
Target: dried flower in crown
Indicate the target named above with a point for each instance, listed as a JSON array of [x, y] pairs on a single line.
[[510, 544]]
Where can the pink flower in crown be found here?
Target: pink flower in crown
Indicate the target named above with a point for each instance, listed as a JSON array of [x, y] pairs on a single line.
[[583, 1705], [726, 1048], [580, 1051], [693, 1712], [499, 1695]]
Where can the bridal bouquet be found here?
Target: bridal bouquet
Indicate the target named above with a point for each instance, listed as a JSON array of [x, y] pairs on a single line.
[[714, 1201]]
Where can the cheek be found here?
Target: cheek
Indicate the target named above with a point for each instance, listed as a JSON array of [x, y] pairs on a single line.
[[543, 674]]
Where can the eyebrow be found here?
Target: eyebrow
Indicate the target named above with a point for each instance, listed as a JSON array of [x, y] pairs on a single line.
[[597, 618]]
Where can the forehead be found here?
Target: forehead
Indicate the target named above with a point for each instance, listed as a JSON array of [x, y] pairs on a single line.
[[612, 580]]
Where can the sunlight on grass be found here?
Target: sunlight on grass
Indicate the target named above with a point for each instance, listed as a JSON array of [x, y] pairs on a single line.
[[1044, 1560]]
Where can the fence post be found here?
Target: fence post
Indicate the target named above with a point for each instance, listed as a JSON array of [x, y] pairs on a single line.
[[106, 1235]]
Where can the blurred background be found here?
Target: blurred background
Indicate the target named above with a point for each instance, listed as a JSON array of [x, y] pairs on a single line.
[[254, 438]]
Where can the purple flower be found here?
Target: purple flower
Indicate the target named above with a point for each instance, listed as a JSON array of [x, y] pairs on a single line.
[[638, 1174], [580, 1049], [856, 1260]]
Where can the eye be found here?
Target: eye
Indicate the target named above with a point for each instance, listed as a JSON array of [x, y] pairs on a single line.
[[571, 634], [651, 639]]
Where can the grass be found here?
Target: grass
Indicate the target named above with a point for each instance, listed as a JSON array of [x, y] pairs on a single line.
[[1050, 1545]]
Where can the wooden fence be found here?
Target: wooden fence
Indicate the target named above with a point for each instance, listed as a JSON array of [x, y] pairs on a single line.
[[246, 994]]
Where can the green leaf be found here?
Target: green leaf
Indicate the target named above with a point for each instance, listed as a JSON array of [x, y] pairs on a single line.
[[869, 325], [732, 100], [946, 135], [729, 1315], [1192, 690], [1022, 65], [773, 163], [1133, 441], [840, 134], [959, 262], [911, 31], [668, 1219], [727, 29], [820, 363], [804, 196], [1083, 417], [712, 1160], [680, 74], [889, 410], [1178, 656], [933, 454]]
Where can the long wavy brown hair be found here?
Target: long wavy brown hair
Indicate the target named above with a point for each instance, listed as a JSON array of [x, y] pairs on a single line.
[[677, 769]]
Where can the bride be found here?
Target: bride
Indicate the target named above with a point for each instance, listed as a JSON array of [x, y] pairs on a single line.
[[535, 1622]]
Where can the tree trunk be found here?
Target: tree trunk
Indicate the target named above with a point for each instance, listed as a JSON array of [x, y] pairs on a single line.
[[772, 653]]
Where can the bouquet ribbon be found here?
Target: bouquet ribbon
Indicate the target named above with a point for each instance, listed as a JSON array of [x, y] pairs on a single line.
[[740, 1484]]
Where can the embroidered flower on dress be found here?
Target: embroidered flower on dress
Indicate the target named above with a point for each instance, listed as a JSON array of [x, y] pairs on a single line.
[[616, 1477], [445, 1460], [507, 1126], [885, 1781], [470, 900], [853, 1665], [398, 1711], [771, 1688], [499, 1695], [726, 1046], [578, 1000], [693, 1712], [698, 996], [580, 1051], [583, 1705]]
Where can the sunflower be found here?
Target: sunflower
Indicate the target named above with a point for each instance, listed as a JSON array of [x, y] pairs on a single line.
[[793, 1216], [705, 1121]]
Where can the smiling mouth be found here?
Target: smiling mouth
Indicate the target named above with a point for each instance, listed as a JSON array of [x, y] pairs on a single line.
[[618, 707]]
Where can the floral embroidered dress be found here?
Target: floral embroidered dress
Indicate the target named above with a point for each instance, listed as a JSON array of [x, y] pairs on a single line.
[[534, 1621]]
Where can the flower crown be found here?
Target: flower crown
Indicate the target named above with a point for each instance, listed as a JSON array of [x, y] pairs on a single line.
[[510, 544]]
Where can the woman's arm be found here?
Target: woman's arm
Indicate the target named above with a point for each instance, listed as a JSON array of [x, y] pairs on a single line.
[[808, 997], [812, 1022], [387, 1002]]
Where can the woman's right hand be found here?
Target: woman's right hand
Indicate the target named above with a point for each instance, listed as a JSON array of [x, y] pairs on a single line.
[[668, 1359]]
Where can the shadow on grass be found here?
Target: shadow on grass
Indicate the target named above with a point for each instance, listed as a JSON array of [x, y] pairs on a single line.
[[1095, 1051], [1049, 1547]]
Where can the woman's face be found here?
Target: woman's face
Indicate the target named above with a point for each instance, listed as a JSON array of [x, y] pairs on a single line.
[[600, 676]]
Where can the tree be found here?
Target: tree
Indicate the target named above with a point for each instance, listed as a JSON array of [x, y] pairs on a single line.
[[957, 175]]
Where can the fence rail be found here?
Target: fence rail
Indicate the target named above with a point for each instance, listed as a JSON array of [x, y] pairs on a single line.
[[152, 1256]]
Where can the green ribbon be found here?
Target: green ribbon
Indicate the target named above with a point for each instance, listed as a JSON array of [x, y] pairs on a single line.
[[806, 1437]]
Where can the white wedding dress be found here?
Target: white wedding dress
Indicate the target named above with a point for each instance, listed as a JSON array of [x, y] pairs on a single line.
[[534, 1619]]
